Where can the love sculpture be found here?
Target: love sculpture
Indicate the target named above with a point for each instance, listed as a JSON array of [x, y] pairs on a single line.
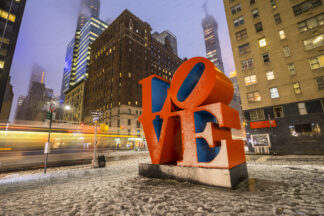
[[187, 124]]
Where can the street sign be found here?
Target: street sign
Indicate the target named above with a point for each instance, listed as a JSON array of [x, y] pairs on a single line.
[[49, 115], [95, 119]]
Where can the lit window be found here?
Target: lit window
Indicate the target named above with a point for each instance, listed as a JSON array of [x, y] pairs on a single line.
[[316, 62], [278, 112], [314, 42], [273, 4], [250, 80], [1, 64], [297, 88], [282, 34], [129, 103], [247, 64], [302, 109], [255, 13], [136, 102], [286, 51], [239, 21], [320, 82], [256, 115], [274, 93], [291, 68], [266, 57], [253, 97], [270, 75], [120, 74], [262, 42], [129, 74], [277, 18], [258, 27]]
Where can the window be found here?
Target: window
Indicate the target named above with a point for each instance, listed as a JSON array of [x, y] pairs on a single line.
[[266, 57], [277, 18], [306, 6], [278, 112], [247, 64], [241, 35], [257, 115], [1, 64], [262, 42], [297, 88], [235, 9], [4, 40], [239, 21], [316, 62], [258, 27], [302, 109], [129, 122], [6, 15], [245, 48], [320, 82], [322, 102], [118, 123], [274, 93], [253, 97], [314, 42], [291, 68], [252, 2], [129, 111], [270, 75], [303, 128], [311, 23], [230, 1], [250, 80], [255, 13], [273, 4], [282, 34], [286, 51]]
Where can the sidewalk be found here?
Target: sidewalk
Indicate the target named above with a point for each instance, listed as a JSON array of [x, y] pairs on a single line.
[[286, 159]]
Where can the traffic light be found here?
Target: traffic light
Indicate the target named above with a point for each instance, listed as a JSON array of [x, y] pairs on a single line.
[[104, 128], [49, 115]]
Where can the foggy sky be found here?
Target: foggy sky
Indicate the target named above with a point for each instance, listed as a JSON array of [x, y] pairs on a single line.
[[49, 25]]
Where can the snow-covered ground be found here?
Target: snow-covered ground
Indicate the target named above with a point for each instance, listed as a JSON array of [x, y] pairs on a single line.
[[118, 190]]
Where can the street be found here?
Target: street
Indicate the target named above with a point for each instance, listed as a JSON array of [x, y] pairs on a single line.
[[118, 190]]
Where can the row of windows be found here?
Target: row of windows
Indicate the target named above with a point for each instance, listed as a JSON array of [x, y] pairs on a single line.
[[274, 93], [278, 111], [273, 4], [6, 15]]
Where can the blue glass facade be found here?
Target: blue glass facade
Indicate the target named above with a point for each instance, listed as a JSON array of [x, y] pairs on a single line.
[[89, 32], [67, 68]]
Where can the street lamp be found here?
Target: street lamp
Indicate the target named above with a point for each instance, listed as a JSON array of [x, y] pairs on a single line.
[[67, 107]]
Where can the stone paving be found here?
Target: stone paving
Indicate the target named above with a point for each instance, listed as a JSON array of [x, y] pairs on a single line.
[[118, 190]]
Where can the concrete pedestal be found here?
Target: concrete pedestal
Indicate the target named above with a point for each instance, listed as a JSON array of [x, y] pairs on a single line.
[[228, 178]]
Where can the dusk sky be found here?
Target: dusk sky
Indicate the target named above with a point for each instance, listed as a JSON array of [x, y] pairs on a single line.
[[49, 25]]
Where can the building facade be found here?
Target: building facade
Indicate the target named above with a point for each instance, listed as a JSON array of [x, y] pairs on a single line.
[[88, 9], [213, 50], [168, 39], [77, 66], [11, 13], [121, 56], [7, 102], [278, 53], [73, 105]]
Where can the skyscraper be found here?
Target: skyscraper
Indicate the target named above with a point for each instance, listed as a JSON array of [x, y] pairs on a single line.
[[88, 8], [213, 50], [279, 58], [168, 39], [11, 13], [37, 75], [75, 75]]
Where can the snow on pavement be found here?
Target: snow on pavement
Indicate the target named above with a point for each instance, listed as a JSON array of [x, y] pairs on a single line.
[[118, 190]]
